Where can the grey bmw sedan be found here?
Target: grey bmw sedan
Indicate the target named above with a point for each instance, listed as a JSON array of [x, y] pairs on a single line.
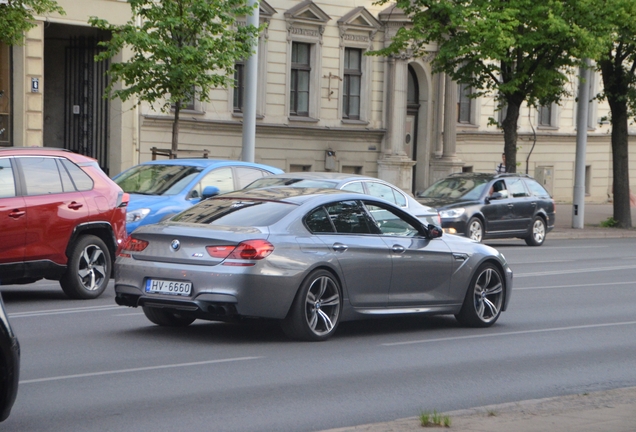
[[310, 258]]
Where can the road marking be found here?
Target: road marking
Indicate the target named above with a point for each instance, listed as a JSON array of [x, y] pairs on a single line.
[[583, 270], [62, 311], [604, 284], [587, 326], [540, 262], [141, 369]]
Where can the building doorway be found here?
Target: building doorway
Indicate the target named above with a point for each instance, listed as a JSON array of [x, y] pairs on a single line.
[[412, 111]]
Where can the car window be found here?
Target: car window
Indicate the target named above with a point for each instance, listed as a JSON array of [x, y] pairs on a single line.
[[41, 176], [380, 190], [536, 189], [235, 212], [354, 187], [516, 188], [318, 221], [246, 175], [350, 217], [156, 179], [390, 223], [82, 181], [7, 181], [499, 186], [221, 178], [290, 181]]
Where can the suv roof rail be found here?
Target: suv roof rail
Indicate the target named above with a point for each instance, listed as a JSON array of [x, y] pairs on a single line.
[[513, 175], [35, 148]]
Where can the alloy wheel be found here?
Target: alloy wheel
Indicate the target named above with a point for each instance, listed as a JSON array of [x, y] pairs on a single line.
[[92, 267], [322, 305], [488, 295]]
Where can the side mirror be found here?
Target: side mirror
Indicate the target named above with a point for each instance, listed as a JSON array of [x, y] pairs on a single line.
[[209, 192], [434, 231]]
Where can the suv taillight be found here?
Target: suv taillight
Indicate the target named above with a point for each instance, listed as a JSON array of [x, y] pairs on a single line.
[[122, 199]]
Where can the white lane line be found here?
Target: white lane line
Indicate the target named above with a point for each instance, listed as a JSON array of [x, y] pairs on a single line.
[[600, 284], [582, 270], [540, 262], [141, 369], [62, 311], [555, 329]]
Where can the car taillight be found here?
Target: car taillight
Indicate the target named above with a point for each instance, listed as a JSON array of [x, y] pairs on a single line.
[[220, 252], [132, 245], [246, 250], [122, 199]]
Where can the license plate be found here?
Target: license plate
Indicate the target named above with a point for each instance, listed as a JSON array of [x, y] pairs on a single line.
[[168, 287]]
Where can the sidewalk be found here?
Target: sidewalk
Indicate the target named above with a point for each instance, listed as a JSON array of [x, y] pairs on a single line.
[[603, 411]]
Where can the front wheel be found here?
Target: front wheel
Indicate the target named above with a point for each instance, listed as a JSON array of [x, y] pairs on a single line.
[[475, 230], [484, 298], [88, 269], [165, 318], [315, 312], [537, 235]]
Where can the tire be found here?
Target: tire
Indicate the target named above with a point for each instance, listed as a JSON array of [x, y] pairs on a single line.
[[315, 312], [88, 269], [475, 229], [537, 233], [165, 318], [484, 298]]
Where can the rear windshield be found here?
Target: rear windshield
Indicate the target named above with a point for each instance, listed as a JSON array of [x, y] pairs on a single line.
[[295, 182], [157, 179], [235, 212]]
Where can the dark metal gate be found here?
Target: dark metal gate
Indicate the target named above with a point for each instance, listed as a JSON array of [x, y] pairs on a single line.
[[86, 110]]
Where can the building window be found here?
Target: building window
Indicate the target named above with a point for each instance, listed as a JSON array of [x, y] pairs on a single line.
[[588, 180], [5, 95], [300, 72], [187, 104], [464, 103], [239, 86], [351, 85], [545, 115]]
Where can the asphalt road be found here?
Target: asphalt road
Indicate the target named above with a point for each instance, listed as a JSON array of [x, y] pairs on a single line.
[[94, 366]]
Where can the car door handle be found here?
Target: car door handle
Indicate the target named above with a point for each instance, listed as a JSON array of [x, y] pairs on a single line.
[[397, 248], [533, 204], [16, 213], [339, 247], [75, 205], [511, 205]]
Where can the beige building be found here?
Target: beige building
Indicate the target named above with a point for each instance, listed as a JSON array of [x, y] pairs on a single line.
[[321, 105]]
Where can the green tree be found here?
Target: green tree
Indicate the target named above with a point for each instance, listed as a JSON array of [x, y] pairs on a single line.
[[17, 17], [515, 50], [617, 64], [181, 50]]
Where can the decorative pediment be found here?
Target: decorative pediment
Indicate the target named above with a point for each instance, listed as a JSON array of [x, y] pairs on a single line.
[[360, 19], [307, 12], [393, 14], [265, 10], [358, 27]]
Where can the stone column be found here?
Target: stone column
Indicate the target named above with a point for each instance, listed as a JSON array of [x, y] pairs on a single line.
[[448, 162], [396, 167]]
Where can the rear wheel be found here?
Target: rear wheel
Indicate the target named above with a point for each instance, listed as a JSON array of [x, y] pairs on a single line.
[[166, 318], [475, 230], [88, 269], [315, 313], [537, 234], [484, 298]]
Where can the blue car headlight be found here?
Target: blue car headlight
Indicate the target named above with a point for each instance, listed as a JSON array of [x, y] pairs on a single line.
[[137, 215], [452, 213]]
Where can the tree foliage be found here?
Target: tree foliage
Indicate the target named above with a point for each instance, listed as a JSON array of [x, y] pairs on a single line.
[[17, 17], [181, 49], [515, 50]]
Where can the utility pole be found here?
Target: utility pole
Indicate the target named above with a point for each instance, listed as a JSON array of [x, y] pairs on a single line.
[[251, 82], [578, 207]]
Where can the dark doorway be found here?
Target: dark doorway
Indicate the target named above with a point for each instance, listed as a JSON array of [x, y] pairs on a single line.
[[412, 109], [76, 115]]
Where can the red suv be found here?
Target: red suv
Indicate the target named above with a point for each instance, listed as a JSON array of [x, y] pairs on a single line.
[[61, 218]]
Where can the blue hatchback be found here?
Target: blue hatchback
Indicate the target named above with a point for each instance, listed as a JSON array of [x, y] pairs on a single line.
[[160, 189]]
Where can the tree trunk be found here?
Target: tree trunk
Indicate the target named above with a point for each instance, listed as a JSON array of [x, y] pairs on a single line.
[[617, 85], [175, 131], [509, 126]]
